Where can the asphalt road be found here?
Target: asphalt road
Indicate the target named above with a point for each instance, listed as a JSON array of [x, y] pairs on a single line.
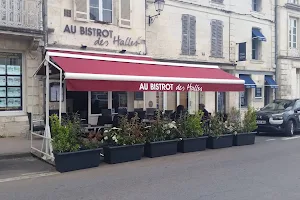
[[268, 170]]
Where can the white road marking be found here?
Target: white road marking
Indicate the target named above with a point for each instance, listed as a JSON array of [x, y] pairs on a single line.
[[291, 138], [270, 140], [28, 176]]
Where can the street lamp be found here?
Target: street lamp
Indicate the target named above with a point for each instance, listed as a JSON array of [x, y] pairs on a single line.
[[159, 7]]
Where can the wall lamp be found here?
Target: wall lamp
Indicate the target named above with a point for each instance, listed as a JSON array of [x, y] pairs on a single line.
[[159, 7]]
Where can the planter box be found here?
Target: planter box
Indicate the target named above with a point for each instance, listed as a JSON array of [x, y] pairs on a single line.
[[120, 154], [161, 148], [222, 141], [192, 144], [244, 139], [71, 161]]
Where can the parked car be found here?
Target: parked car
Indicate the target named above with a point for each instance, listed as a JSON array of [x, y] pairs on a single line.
[[280, 116]]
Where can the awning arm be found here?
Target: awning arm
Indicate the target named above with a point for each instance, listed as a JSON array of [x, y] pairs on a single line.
[[40, 66]]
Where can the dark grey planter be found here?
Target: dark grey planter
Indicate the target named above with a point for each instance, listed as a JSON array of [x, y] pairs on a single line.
[[71, 161], [192, 144], [222, 141], [242, 139], [120, 154], [161, 148]]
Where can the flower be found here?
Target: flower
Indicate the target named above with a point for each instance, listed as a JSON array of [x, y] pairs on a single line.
[[106, 131], [114, 138], [168, 132], [105, 138]]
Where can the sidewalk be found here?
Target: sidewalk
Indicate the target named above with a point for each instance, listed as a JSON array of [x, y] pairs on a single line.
[[16, 147]]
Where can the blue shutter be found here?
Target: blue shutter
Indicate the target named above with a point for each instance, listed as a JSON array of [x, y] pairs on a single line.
[[192, 35], [185, 35]]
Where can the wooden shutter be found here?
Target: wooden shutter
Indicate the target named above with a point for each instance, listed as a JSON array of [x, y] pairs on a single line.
[[192, 35], [81, 10], [219, 38], [185, 35], [125, 13], [213, 50]]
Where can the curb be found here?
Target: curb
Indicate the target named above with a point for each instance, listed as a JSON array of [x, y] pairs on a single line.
[[14, 155]]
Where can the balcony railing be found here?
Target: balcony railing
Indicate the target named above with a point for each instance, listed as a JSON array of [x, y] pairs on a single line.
[[21, 14]]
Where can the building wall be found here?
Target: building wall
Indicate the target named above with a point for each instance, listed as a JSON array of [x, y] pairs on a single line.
[[288, 57], [164, 38], [15, 123]]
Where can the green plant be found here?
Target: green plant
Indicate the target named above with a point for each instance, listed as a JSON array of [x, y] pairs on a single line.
[[233, 123], [129, 133], [160, 130], [217, 125], [190, 126], [65, 136], [249, 121]]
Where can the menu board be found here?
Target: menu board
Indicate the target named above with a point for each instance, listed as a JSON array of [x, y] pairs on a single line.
[[2, 102], [2, 80], [2, 69], [54, 92], [13, 70], [13, 92], [14, 102], [2, 91], [13, 81]]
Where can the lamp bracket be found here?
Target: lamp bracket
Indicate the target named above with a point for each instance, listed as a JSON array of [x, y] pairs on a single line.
[[151, 19]]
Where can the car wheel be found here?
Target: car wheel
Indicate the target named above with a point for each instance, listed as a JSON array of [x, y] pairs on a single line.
[[290, 128]]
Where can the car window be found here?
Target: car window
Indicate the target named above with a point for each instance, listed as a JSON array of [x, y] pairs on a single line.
[[278, 105], [297, 105]]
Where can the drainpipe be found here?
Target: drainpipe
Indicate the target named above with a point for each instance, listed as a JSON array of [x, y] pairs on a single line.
[[277, 69], [145, 40], [45, 24]]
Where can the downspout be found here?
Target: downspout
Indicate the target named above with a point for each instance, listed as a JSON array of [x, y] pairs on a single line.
[[277, 69], [145, 40], [45, 24]]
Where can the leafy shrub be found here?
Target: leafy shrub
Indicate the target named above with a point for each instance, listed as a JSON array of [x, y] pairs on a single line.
[[233, 123], [217, 125], [249, 121], [190, 126]]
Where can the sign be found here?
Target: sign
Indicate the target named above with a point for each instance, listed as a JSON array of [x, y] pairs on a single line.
[[169, 87], [242, 51], [104, 37]]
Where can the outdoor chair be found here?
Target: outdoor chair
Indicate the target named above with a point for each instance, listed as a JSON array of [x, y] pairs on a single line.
[[122, 111], [138, 109], [36, 125]]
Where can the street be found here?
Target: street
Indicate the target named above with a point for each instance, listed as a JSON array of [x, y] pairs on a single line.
[[267, 170]]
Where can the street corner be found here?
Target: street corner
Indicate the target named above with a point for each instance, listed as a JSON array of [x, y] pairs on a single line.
[[24, 168]]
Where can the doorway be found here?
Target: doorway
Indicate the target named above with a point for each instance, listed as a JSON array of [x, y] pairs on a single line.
[[77, 102]]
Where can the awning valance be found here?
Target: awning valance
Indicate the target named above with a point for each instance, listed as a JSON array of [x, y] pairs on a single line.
[[249, 83], [270, 82], [84, 72]]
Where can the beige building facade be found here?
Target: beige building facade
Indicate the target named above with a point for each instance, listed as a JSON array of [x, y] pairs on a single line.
[[21, 41], [209, 32]]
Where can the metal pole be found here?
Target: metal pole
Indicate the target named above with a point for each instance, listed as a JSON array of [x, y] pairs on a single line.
[[47, 128], [60, 95]]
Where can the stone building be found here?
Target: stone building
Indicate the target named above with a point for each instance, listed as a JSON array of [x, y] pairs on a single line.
[[209, 32], [21, 38], [288, 48]]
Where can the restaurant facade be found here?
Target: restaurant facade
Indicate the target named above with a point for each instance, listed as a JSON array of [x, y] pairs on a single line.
[[100, 50]]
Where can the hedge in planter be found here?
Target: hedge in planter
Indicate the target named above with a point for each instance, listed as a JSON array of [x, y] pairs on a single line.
[[68, 145], [246, 136], [126, 143], [218, 137], [191, 133], [161, 138]]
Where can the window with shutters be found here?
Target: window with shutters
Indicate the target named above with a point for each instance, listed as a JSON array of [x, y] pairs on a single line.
[[256, 48], [101, 10], [125, 13], [216, 39], [217, 1], [188, 42]]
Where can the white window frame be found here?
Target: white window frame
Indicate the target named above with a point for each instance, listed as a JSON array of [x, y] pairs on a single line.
[[24, 90], [101, 11], [293, 44], [120, 12], [261, 93]]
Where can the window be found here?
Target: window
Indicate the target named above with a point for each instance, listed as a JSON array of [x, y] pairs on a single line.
[[258, 92], [244, 97], [293, 33], [256, 5], [256, 47], [139, 96], [10, 82], [125, 13], [293, 1], [101, 10], [99, 102], [217, 38], [188, 43]]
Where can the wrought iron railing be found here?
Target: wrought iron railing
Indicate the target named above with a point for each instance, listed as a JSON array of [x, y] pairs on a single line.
[[23, 14]]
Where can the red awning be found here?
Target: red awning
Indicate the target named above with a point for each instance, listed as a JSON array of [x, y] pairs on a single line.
[[88, 72]]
